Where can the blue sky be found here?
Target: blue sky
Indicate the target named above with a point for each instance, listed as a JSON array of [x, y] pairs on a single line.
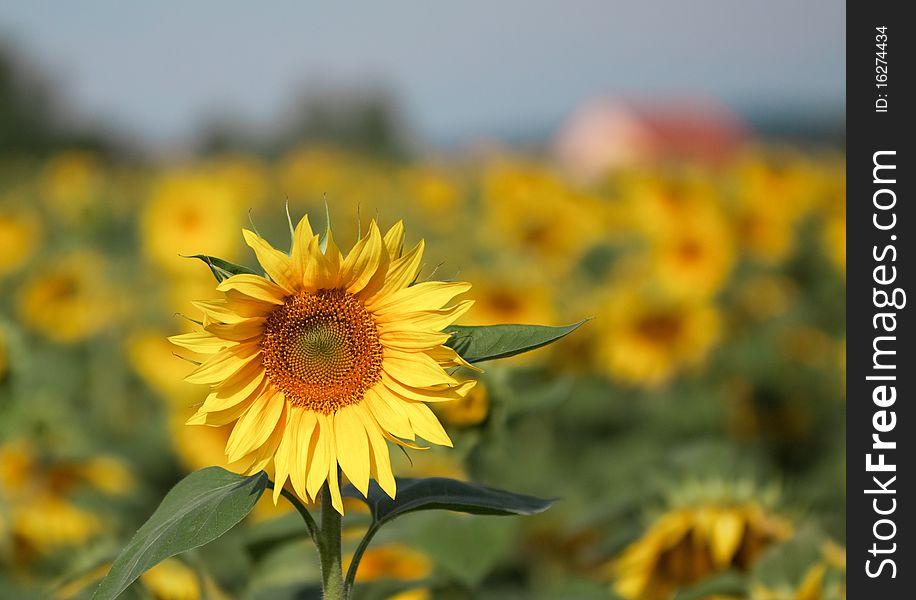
[[461, 69]]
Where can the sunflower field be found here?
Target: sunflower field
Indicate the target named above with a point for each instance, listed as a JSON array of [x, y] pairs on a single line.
[[691, 429]]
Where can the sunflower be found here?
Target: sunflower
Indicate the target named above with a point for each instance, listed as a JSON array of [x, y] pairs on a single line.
[[20, 236], [189, 210], [36, 494], [649, 338], [70, 299], [688, 544], [325, 358]]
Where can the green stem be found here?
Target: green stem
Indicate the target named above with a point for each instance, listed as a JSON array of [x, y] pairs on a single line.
[[329, 549], [303, 512], [357, 556]]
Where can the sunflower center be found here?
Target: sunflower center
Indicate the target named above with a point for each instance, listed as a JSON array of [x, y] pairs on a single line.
[[322, 350]]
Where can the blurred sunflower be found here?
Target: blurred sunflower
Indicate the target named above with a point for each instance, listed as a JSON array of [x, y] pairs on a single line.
[[646, 338], [773, 194], [186, 213], [392, 561], [35, 495], [504, 297], [171, 579], [322, 362], [695, 258], [72, 183], [70, 299], [20, 235], [533, 210], [686, 545]]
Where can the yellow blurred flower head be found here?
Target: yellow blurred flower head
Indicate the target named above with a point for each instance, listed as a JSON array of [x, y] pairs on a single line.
[[20, 235], [35, 494], [694, 259], [190, 213], [686, 545], [392, 561], [646, 338], [172, 580], [72, 183], [70, 299], [532, 210]]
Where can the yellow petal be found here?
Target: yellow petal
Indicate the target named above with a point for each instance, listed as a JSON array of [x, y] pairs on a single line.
[[219, 311], [429, 394], [256, 425], [329, 265], [221, 417], [287, 455], [236, 388], [238, 332], [728, 529], [225, 363], [394, 240], [415, 369], [319, 454], [378, 448], [200, 341], [386, 412], [363, 261], [302, 241], [306, 429], [261, 457], [412, 340], [352, 447], [401, 273], [425, 423], [426, 296], [428, 320], [277, 265], [254, 286], [334, 486]]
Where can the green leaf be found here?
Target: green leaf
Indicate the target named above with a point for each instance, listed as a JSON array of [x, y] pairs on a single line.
[[728, 583], [223, 269], [439, 493], [489, 342], [200, 508]]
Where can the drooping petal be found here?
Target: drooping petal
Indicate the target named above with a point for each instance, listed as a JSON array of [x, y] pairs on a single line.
[[378, 449], [352, 447], [320, 452], [388, 414], [425, 423], [286, 457], [304, 434], [256, 425]]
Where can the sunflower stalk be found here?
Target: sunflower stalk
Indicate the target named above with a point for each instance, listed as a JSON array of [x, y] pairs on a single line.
[[332, 583]]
